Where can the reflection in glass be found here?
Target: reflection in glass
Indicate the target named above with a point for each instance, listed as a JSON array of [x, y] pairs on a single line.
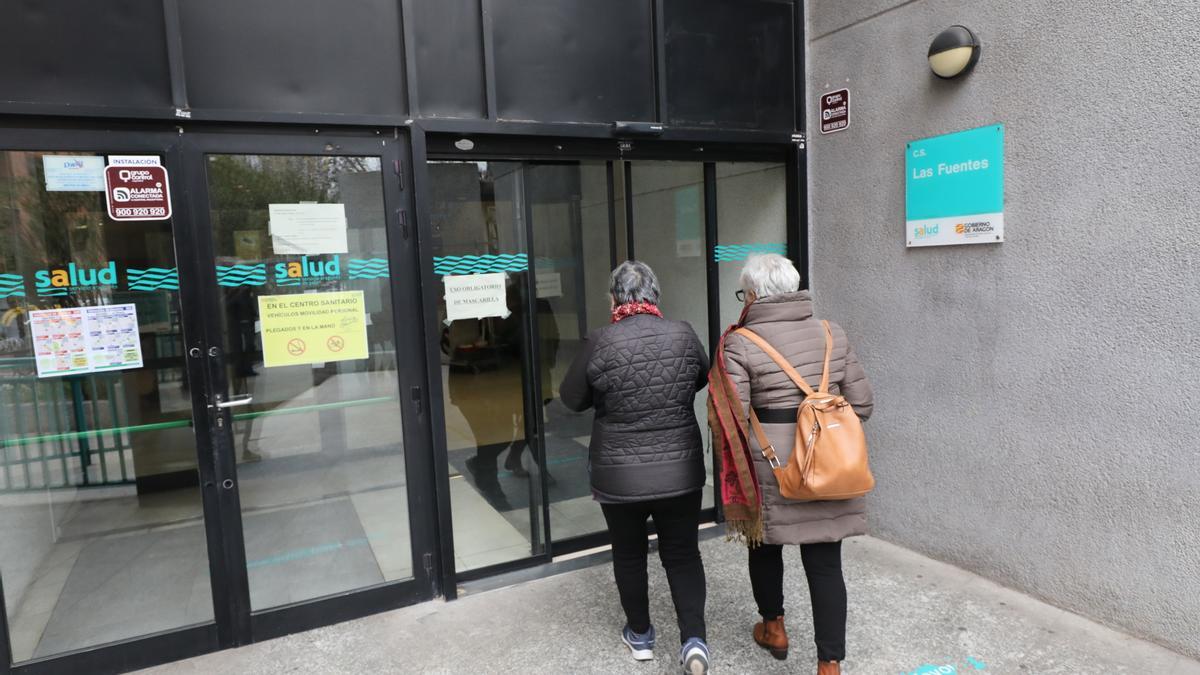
[[668, 235], [321, 461], [568, 207], [478, 215], [751, 218], [103, 537]]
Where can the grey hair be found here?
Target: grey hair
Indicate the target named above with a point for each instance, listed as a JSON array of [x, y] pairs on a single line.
[[634, 281], [769, 274]]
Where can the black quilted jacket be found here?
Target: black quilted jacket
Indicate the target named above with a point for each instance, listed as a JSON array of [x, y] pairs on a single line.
[[641, 374]]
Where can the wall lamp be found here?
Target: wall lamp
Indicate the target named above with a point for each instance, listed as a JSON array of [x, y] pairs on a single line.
[[954, 52]]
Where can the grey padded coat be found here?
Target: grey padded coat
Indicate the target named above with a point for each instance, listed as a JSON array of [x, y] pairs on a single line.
[[786, 322], [641, 374]]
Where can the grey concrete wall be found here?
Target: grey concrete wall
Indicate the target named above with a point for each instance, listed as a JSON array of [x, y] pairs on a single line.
[[1037, 399]]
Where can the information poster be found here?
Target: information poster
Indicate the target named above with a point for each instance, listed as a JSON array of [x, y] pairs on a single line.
[[307, 328], [475, 296], [76, 340], [112, 337], [69, 173], [308, 229], [954, 188]]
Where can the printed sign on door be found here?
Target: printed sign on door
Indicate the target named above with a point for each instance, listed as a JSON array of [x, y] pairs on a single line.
[[137, 192]]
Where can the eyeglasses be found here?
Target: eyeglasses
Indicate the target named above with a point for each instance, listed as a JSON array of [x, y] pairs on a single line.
[[740, 295]]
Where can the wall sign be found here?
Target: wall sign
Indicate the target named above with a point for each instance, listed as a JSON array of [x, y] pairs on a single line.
[[689, 225], [954, 188], [305, 328], [137, 192], [835, 111]]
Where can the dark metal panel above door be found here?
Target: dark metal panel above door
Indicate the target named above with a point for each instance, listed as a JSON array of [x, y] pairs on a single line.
[[574, 60], [741, 50], [110, 53], [449, 53], [295, 55]]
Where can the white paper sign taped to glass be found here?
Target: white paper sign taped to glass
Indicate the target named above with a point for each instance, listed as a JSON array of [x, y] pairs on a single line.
[[70, 173], [475, 296], [308, 229], [549, 284], [78, 340]]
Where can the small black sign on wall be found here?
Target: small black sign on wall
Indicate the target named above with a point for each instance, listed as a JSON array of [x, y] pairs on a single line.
[[835, 111]]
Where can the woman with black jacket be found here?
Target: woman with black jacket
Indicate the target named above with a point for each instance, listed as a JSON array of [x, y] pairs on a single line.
[[641, 373]]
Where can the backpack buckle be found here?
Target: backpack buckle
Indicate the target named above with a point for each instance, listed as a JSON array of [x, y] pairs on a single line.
[[769, 454]]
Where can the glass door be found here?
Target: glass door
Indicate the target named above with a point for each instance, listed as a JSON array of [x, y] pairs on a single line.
[[480, 247], [310, 272], [103, 443], [667, 232], [539, 231]]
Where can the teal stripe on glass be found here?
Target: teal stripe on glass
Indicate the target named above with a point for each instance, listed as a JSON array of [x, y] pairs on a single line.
[[153, 279], [242, 275], [368, 268], [12, 285], [480, 264], [735, 252]]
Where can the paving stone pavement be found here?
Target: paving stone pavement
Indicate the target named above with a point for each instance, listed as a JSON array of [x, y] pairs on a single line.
[[908, 615]]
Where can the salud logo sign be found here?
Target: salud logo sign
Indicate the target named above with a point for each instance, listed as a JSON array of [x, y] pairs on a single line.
[[954, 188], [137, 192]]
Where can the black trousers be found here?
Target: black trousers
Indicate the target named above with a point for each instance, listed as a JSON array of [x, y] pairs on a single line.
[[677, 520], [826, 587]]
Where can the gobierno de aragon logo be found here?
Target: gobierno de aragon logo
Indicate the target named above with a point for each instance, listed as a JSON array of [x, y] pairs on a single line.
[[975, 229]]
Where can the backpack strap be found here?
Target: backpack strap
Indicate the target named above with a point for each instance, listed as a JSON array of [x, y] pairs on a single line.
[[768, 450], [828, 352], [787, 368]]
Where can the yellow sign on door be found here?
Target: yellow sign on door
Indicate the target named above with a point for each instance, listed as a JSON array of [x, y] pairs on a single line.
[[312, 328]]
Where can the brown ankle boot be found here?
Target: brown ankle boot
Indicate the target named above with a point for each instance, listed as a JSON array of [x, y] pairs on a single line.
[[828, 668], [772, 636]]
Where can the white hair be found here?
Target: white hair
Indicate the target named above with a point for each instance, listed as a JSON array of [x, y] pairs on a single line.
[[769, 274]]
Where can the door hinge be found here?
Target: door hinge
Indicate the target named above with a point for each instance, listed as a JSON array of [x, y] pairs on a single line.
[[427, 561], [415, 393], [402, 217], [399, 169]]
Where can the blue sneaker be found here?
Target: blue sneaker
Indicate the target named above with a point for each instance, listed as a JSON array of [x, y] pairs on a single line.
[[694, 657], [641, 645]]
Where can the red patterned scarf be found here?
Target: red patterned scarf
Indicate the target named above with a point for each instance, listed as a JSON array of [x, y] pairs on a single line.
[[731, 444], [630, 308]]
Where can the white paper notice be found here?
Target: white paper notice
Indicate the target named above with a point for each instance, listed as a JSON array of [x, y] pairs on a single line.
[[475, 296], [66, 173], [549, 284], [308, 229], [133, 160], [79, 340], [59, 347], [112, 337]]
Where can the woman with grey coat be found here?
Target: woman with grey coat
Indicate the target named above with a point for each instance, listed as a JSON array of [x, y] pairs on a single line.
[[782, 315]]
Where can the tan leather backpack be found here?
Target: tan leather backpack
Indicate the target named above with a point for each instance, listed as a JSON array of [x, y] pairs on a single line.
[[829, 457]]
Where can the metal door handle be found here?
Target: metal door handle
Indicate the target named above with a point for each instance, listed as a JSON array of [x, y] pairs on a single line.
[[234, 402]]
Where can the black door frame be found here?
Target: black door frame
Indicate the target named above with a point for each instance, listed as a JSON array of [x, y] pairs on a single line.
[[183, 151], [441, 144], [408, 231], [248, 626]]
